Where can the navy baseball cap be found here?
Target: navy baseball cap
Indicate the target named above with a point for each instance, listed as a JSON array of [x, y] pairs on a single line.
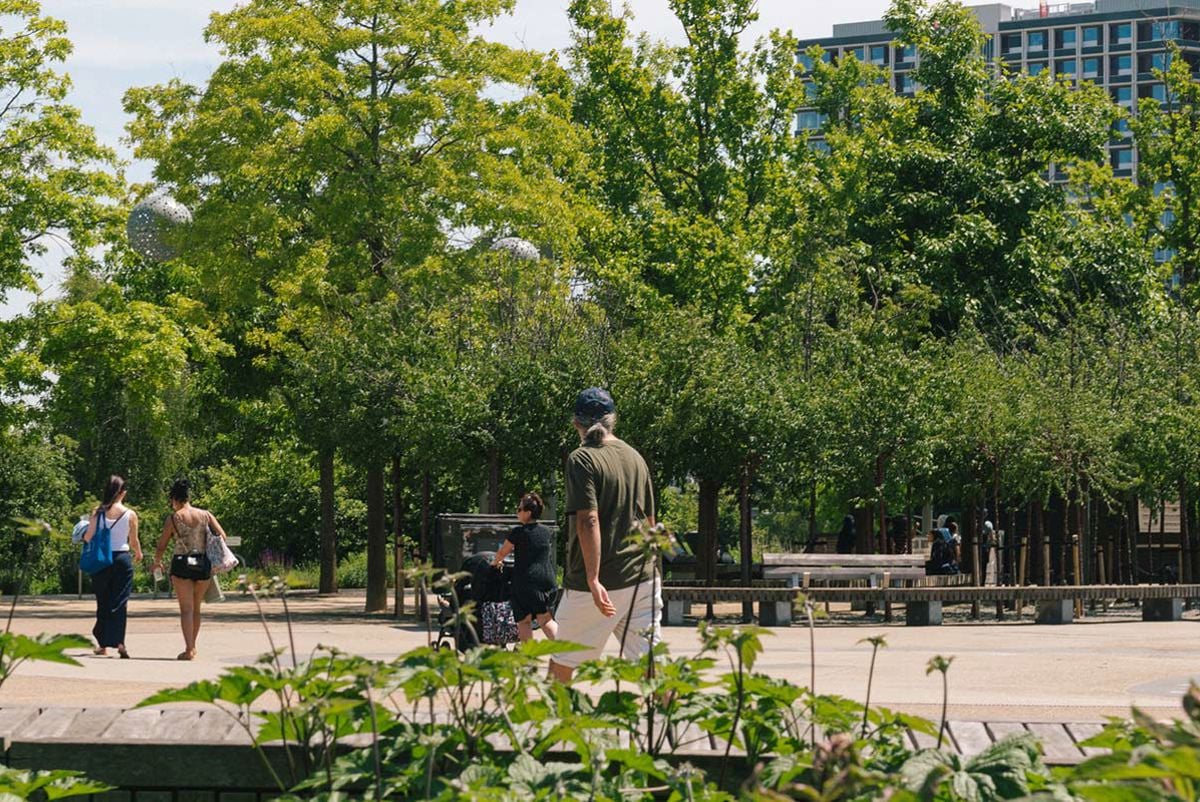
[[594, 403]]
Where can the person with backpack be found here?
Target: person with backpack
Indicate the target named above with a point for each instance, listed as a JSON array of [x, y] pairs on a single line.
[[943, 552], [114, 584]]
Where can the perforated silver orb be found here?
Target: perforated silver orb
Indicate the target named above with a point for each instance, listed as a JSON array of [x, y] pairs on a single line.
[[517, 248], [151, 223]]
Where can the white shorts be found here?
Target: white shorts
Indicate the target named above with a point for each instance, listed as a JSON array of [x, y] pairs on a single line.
[[636, 622]]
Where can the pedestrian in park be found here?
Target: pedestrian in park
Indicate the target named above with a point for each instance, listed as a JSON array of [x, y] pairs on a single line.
[[847, 537], [114, 584], [534, 583], [191, 570], [612, 586]]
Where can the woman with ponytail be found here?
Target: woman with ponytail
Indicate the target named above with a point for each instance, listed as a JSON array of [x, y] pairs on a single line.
[[114, 584]]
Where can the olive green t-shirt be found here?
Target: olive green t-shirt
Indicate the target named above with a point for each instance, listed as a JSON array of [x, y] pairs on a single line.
[[611, 478]]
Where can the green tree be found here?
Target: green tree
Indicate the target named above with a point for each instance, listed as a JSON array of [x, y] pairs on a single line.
[[55, 178], [691, 143], [332, 160]]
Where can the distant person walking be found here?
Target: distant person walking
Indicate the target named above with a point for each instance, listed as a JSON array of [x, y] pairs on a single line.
[[611, 584], [114, 584], [191, 570], [534, 583]]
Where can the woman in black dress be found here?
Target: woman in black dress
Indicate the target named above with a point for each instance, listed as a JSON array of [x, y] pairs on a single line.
[[534, 582]]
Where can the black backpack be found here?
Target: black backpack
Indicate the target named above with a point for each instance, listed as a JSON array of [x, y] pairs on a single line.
[[941, 555]]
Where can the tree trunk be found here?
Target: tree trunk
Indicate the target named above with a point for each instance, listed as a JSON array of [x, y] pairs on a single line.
[[376, 540], [707, 559], [811, 545], [422, 602], [1185, 540], [881, 515], [745, 538], [398, 535], [328, 580], [493, 487], [1042, 540], [426, 494]]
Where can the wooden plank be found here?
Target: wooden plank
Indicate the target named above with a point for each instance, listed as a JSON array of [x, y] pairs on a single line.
[[133, 725], [1059, 745], [971, 737], [13, 718], [926, 741], [1081, 731], [176, 724], [1003, 729], [213, 726], [868, 572], [842, 560], [92, 722], [52, 722]]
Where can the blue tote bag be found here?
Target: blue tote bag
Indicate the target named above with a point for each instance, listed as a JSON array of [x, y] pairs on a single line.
[[97, 555]]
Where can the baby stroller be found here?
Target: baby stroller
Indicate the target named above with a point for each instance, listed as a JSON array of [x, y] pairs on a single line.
[[492, 622]]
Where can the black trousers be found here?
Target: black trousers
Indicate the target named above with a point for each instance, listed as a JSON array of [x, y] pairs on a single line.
[[113, 586]]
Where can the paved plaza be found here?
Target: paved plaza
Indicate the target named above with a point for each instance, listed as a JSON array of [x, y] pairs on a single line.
[[1013, 670]]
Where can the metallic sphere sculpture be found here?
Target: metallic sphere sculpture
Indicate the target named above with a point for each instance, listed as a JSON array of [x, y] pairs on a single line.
[[150, 224], [518, 248]]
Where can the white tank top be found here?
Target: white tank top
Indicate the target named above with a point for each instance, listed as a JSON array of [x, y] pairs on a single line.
[[118, 531]]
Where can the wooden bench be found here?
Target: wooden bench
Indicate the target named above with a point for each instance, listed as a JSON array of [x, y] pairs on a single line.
[[775, 602], [1055, 603], [802, 570], [923, 605]]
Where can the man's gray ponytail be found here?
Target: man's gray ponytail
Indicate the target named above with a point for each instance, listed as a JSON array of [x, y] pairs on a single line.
[[595, 430]]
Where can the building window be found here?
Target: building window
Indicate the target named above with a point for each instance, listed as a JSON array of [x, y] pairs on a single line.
[[1037, 67], [1120, 33], [1158, 31], [1149, 62], [1093, 36], [810, 120], [1123, 95], [1065, 68], [1156, 91], [1037, 40], [906, 53], [1092, 68], [811, 91], [879, 54], [1122, 158], [1010, 43], [1121, 127], [905, 84], [1120, 65], [1065, 37], [857, 52], [818, 146]]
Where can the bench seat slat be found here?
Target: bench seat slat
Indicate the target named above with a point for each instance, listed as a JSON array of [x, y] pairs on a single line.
[[782, 572], [843, 560]]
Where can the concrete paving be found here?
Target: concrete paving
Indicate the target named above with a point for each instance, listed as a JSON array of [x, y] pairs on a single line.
[[1002, 671]]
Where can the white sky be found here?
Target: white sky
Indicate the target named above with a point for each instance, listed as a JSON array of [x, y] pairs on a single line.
[[124, 43]]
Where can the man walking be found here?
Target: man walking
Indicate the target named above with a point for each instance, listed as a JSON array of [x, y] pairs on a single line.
[[611, 585]]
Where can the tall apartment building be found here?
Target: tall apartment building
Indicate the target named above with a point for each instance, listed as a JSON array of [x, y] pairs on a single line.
[[1114, 43]]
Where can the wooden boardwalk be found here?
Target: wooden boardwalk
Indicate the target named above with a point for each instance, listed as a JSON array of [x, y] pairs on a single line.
[[160, 747]]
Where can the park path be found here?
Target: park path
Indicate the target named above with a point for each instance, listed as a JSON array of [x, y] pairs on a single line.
[[1012, 671]]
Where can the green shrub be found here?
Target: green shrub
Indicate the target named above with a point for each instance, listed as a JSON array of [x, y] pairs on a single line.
[[271, 499], [352, 570]]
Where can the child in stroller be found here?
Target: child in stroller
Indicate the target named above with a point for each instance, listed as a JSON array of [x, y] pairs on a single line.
[[492, 623]]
